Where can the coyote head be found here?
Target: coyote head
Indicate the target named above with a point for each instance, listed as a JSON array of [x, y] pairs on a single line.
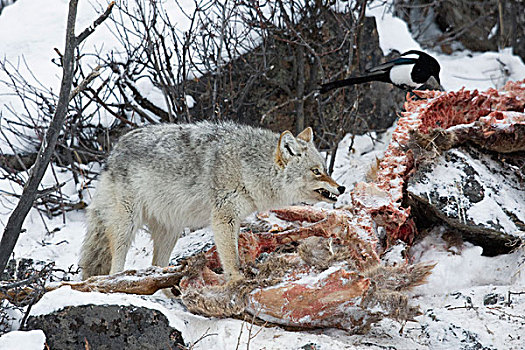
[[306, 179]]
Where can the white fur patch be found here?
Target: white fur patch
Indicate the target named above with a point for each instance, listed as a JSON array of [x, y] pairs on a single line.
[[411, 55], [400, 75]]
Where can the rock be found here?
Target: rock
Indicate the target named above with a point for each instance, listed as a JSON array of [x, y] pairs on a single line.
[[477, 192], [262, 93], [474, 24], [19, 269], [491, 299], [107, 327], [447, 179]]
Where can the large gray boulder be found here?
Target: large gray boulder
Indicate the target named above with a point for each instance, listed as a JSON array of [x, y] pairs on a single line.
[[107, 327], [474, 24], [480, 193]]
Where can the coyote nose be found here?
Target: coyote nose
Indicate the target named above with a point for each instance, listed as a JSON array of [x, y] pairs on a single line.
[[341, 189]]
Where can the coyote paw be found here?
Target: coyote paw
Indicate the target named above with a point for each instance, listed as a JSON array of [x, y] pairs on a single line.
[[234, 277]]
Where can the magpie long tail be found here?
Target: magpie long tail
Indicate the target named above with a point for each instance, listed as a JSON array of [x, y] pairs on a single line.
[[351, 81]]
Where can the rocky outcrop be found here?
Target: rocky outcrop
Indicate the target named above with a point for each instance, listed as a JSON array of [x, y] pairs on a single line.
[[107, 327], [474, 24], [254, 94], [481, 194]]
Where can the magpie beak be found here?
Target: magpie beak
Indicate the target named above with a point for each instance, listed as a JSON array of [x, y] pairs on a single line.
[[413, 70]]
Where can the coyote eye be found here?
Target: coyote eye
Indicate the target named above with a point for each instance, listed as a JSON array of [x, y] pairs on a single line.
[[316, 171]]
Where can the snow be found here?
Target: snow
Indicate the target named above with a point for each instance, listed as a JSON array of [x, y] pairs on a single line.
[[464, 269], [354, 160], [452, 301], [152, 93], [393, 31], [479, 70], [454, 315], [62, 242], [19, 340], [190, 101]]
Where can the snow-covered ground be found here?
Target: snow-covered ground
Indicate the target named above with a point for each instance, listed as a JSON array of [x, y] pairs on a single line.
[[452, 302]]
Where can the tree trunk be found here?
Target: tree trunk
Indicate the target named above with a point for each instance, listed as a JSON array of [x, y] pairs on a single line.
[[14, 225]]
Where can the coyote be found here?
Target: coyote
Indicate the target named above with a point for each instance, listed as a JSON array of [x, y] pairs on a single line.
[[171, 176]]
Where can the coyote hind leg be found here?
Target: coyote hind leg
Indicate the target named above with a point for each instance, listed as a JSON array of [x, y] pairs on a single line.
[[164, 241], [122, 226]]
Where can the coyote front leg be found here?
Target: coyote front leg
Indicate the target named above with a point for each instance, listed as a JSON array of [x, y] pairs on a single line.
[[225, 226]]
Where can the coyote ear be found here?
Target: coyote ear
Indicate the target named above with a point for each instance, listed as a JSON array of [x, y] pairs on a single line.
[[286, 148], [306, 135]]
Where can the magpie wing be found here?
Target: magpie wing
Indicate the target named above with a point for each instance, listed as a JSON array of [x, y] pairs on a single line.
[[385, 67]]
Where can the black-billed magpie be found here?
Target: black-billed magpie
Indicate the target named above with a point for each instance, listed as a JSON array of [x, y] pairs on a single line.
[[411, 71]]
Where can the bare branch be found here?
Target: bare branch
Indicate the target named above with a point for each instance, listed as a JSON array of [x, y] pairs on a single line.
[[88, 31], [84, 84]]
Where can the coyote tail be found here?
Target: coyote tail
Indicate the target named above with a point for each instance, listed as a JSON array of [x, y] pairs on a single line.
[[95, 256]]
